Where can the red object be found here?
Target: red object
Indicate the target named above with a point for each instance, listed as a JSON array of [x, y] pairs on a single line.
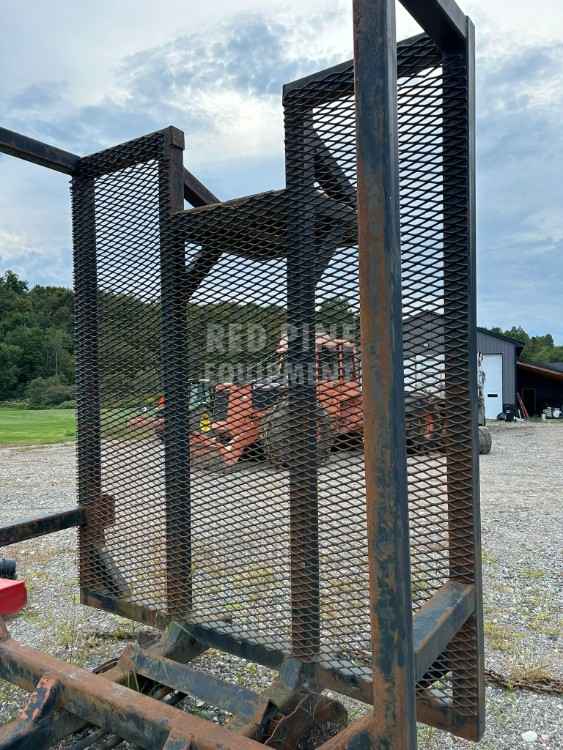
[[13, 596]]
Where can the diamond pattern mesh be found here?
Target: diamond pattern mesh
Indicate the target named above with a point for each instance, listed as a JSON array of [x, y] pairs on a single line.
[[220, 384]]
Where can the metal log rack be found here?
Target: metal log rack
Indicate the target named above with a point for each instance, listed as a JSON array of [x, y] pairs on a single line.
[[64, 698]]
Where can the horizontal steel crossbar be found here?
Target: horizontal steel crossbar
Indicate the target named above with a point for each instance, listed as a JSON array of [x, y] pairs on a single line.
[[37, 152], [135, 717], [435, 624], [34, 527], [229, 697]]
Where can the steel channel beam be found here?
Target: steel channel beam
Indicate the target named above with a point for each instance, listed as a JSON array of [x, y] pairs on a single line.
[[37, 152], [115, 708], [20, 532], [433, 627], [442, 20], [436, 623], [154, 618], [375, 62]]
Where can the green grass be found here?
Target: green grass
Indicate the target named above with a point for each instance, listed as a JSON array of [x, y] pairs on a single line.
[[40, 427]]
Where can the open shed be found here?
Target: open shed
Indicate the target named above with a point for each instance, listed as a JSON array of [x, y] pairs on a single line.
[[540, 385]]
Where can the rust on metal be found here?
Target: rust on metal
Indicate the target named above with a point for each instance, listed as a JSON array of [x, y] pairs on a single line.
[[43, 701], [133, 716], [251, 377], [393, 718]]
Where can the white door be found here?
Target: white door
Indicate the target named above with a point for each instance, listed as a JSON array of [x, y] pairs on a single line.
[[492, 367]]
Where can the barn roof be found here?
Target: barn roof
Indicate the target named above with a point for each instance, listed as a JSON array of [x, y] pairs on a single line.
[[552, 370], [518, 344]]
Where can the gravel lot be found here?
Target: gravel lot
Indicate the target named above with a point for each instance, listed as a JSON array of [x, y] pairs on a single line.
[[522, 521]]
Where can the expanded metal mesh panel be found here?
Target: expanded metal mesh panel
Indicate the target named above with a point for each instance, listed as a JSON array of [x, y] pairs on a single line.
[[238, 504], [434, 182], [119, 200]]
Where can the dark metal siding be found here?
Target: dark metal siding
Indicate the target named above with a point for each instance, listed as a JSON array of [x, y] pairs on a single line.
[[492, 345], [423, 335]]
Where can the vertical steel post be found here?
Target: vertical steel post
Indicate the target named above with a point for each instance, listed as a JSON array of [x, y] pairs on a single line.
[[375, 69], [461, 368], [302, 397], [86, 344], [174, 364]]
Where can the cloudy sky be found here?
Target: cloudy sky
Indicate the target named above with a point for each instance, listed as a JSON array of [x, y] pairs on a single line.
[[91, 74]]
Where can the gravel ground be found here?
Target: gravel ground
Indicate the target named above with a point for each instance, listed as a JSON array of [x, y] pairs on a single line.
[[522, 521]]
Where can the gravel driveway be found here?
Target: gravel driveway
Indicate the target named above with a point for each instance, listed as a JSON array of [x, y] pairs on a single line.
[[522, 521]]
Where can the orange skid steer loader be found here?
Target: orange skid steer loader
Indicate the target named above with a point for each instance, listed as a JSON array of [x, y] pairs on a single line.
[[253, 419]]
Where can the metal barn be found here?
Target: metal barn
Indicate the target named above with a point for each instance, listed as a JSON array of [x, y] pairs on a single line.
[[500, 355]]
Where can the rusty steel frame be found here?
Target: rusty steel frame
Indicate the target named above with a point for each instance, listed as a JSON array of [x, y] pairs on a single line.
[[404, 647]]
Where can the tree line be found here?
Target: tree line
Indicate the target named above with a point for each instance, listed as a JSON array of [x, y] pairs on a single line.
[[37, 349], [37, 356], [36, 343], [537, 349]]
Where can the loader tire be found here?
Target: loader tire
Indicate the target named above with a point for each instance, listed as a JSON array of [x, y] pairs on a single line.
[[276, 436], [485, 440]]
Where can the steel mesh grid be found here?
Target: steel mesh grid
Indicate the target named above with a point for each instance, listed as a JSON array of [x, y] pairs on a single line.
[[278, 554], [117, 202]]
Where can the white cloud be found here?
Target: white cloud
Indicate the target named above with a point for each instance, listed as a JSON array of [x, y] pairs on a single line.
[[245, 126], [87, 76], [12, 245]]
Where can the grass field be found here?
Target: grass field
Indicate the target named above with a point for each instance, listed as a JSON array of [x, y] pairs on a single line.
[[40, 427]]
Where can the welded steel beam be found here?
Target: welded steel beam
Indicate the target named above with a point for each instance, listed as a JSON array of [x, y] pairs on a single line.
[[175, 643], [346, 86], [20, 532], [135, 717], [37, 152], [232, 698], [301, 386], [434, 626], [32, 729], [437, 713], [87, 371], [438, 621], [393, 723], [330, 175], [462, 445], [442, 20]]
